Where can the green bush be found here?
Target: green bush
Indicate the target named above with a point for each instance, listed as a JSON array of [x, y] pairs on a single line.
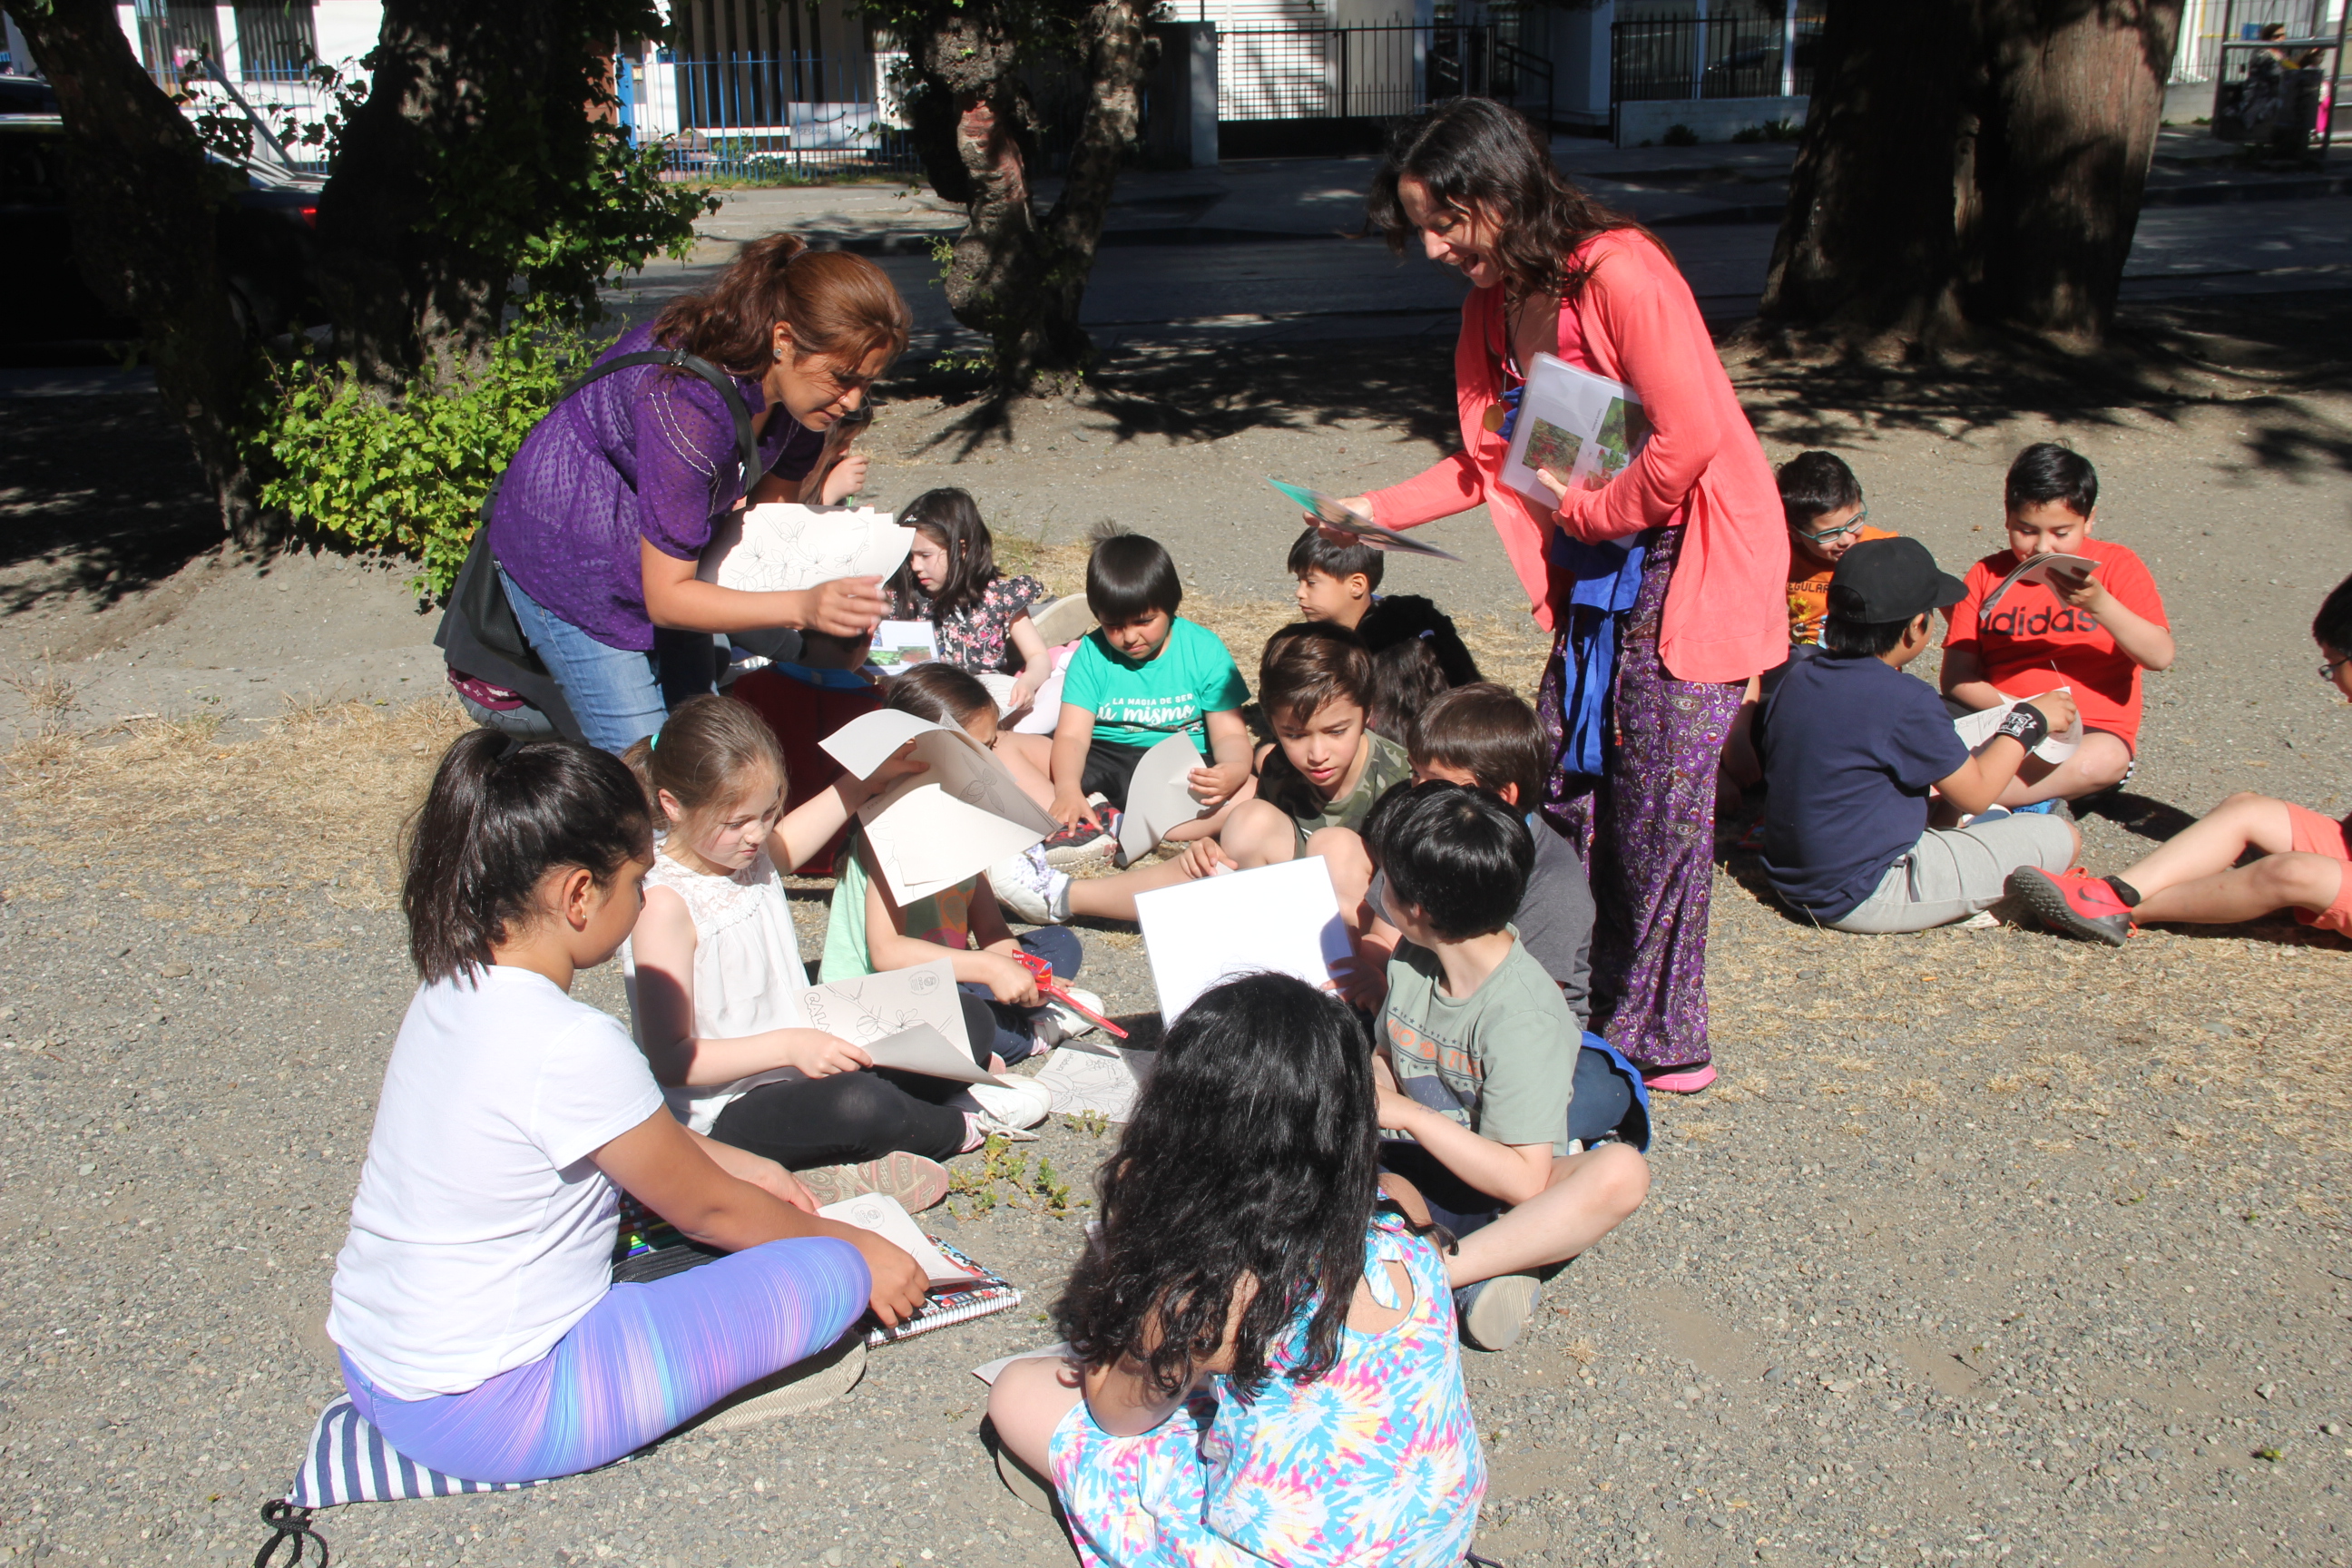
[[408, 477], [1679, 135]]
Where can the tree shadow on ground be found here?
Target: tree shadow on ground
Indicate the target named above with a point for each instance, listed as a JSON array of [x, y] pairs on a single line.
[[102, 497], [2260, 355], [1202, 392]]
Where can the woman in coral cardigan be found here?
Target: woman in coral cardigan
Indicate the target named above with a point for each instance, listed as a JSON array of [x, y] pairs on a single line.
[[1664, 586]]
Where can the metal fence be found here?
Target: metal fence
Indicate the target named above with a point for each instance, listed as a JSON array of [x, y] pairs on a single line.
[[2206, 24], [1374, 72], [769, 116], [1726, 57]]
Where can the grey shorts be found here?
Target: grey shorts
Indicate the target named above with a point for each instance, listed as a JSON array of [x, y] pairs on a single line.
[[1953, 873]]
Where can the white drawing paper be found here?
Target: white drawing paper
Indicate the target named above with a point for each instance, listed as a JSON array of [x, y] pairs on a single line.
[[1976, 728], [887, 1220], [925, 1050], [781, 547], [1158, 798], [2036, 569], [874, 1008], [1282, 919], [1058, 1351], [899, 645], [936, 828], [1584, 428], [1104, 1079]]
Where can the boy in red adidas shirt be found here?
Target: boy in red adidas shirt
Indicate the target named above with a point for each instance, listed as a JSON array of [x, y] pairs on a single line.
[[2092, 633], [2195, 879]]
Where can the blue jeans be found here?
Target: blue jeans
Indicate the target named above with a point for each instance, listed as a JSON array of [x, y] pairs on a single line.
[[619, 696], [1007, 1026]]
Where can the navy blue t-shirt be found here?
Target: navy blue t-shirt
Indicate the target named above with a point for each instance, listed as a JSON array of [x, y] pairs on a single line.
[[1849, 747]]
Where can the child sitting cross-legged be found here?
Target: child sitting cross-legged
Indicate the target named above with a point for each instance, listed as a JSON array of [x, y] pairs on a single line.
[[1478, 1058], [2090, 634], [1340, 583], [475, 1311], [1485, 737], [2194, 877], [715, 980], [1852, 746], [1262, 1366], [870, 933]]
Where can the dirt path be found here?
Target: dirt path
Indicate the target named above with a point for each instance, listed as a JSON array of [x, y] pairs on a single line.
[[1989, 1246]]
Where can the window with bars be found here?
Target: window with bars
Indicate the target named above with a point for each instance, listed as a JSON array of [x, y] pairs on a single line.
[[172, 33], [277, 42]]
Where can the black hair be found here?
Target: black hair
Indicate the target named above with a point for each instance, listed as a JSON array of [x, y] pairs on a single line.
[[1472, 153], [1490, 733], [953, 519], [1406, 677], [1251, 1163], [704, 754], [495, 822], [1813, 484], [1458, 854], [2046, 472], [1314, 551], [939, 692], [2332, 625], [1127, 578], [1848, 635]]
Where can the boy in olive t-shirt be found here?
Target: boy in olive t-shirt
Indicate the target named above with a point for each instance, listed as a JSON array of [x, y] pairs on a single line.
[[1477, 1062]]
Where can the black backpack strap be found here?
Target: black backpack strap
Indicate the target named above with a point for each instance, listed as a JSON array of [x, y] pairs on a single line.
[[747, 446]]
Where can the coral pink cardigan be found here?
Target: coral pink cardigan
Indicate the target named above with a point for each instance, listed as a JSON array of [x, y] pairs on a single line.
[[1726, 615]]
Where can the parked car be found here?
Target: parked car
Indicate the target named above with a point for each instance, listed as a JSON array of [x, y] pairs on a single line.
[[265, 231]]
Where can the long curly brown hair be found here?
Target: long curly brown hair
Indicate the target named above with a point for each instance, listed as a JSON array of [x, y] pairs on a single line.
[[1475, 155], [838, 305]]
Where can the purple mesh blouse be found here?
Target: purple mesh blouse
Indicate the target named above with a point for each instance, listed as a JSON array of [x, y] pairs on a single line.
[[639, 455]]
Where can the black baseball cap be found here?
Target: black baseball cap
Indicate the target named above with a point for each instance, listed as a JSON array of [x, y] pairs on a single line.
[[1883, 579]]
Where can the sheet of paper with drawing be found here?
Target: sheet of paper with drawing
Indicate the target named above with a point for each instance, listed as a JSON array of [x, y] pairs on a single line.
[[1326, 510], [1976, 728], [939, 827], [911, 1020], [1088, 1075], [1280, 919], [885, 1218], [1158, 798], [782, 547], [1584, 428]]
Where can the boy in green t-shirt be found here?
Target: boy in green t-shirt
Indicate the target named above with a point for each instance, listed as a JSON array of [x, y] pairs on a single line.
[[1477, 1062], [1141, 676]]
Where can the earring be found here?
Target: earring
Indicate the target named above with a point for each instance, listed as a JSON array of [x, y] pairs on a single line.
[[779, 355]]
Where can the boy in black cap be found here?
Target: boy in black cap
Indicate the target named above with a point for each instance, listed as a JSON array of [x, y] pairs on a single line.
[[1851, 747]]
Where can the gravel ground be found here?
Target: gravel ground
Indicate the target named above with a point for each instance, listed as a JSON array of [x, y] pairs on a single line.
[[1988, 1246]]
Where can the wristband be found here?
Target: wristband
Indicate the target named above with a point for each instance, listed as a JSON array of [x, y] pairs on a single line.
[[2025, 725]]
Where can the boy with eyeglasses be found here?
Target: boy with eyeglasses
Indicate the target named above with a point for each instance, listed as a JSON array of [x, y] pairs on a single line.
[[2194, 877], [1820, 501]]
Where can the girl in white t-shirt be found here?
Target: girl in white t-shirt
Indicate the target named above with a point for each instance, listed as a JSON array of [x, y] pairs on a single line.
[[716, 978], [479, 1327]]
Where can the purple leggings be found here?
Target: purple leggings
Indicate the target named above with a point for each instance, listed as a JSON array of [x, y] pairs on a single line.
[[643, 1360]]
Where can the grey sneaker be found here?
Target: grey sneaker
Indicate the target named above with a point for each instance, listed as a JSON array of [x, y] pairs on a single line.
[[1031, 889], [1058, 1021], [1494, 1312]]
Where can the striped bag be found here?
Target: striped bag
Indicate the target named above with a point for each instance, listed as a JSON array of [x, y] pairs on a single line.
[[349, 1461]]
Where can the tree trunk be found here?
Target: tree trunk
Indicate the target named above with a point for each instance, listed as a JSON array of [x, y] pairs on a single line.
[[1971, 165], [1013, 276], [144, 206]]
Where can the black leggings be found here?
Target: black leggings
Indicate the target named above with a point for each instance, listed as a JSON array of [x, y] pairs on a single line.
[[847, 1117]]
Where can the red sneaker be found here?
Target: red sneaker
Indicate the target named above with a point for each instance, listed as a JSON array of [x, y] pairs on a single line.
[[2076, 903]]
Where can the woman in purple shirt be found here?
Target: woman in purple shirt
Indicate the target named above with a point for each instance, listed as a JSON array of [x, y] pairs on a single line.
[[606, 507]]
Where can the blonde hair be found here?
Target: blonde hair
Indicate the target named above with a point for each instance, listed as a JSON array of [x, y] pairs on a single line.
[[703, 755]]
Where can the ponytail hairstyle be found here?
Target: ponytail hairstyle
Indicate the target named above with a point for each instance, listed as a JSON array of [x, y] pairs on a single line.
[[494, 824], [1251, 1163], [706, 755], [950, 519], [939, 692], [837, 305], [1474, 154]]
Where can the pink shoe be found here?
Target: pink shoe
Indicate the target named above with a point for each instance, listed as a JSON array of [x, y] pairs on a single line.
[[1680, 1080]]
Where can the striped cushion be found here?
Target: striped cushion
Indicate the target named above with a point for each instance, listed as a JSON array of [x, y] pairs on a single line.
[[349, 1461]]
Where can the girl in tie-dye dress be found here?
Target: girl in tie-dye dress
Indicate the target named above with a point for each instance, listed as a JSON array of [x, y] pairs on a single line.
[[1266, 1368]]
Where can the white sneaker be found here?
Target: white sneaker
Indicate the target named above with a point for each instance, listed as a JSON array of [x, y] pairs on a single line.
[[1058, 1021], [1031, 889], [1017, 1103]]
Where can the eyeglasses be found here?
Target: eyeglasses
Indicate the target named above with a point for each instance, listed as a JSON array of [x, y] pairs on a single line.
[[2327, 671], [1849, 526]]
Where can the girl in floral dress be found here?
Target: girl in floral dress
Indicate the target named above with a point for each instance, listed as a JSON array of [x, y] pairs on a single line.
[[980, 616], [1265, 1367]]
